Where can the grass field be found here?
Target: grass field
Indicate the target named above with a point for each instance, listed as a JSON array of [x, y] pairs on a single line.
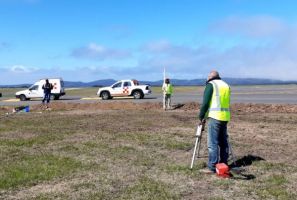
[[127, 151]]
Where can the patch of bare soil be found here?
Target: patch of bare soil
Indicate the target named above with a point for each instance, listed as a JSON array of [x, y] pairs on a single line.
[[192, 106]]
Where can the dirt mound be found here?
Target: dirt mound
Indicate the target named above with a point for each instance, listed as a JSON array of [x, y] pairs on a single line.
[[102, 106], [251, 108], [192, 106], [264, 108]]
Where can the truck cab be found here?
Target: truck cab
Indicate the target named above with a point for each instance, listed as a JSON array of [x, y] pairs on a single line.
[[124, 88]]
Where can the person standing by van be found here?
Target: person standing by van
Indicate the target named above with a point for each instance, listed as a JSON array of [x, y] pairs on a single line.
[[167, 93], [47, 88]]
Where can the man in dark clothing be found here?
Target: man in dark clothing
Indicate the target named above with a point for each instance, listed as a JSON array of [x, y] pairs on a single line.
[[47, 88], [215, 108]]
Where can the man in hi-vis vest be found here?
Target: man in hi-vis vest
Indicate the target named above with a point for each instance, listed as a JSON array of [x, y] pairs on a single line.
[[216, 108], [167, 92]]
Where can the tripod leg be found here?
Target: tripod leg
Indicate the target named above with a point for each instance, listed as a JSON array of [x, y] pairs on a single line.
[[199, 145], [198, 140], [194, 152], [231, 152]]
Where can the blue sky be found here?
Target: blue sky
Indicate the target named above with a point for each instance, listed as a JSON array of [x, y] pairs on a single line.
[[86, 40]]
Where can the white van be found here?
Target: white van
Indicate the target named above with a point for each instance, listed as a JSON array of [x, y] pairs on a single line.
[[36, 91]]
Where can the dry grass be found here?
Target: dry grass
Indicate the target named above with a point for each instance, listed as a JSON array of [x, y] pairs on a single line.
[[127, 151]]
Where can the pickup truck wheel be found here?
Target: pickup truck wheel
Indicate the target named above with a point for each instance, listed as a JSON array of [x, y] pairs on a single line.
[[23, 97], [105, 95], [137, 94]]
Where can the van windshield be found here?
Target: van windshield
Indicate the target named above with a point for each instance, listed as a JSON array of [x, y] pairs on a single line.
[[33, 87]]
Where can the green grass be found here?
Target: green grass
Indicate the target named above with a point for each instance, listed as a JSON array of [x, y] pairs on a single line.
[[82, 92], [272, 167], [39, 140], [10, 92], [148, 188], [135, 154], [274, 187], [30, 170], [185, 169], [177, 89]]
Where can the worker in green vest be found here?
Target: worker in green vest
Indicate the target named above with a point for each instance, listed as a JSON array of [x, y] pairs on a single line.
[[216, 108], [167, 93]]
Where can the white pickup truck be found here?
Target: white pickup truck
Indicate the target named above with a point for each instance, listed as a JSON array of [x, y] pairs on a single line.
[[124, 88]]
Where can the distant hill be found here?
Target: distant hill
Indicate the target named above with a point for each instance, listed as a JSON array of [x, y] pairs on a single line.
[[175, 82], [231, 81], [98, 83]]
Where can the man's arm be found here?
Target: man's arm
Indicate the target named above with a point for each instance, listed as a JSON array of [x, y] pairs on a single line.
[[206, 101]]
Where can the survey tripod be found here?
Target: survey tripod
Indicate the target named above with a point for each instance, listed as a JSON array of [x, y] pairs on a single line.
[[197, 146]]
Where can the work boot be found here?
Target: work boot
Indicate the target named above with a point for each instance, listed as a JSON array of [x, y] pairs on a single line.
[[206, 171]]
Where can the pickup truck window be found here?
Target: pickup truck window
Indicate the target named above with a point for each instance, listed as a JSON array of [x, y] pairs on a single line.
[[127, 84]]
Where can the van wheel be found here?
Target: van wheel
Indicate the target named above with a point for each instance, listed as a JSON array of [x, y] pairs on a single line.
[[56, 97], [137, 94], [105, 95], [23, 97]]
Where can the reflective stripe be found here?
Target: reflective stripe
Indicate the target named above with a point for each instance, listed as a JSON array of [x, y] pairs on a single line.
[[217, 92], [220, 109]]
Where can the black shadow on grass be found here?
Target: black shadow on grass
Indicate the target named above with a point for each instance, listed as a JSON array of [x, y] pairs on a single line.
[[241, 176], [177, 106], [237, 172], [246, 161]]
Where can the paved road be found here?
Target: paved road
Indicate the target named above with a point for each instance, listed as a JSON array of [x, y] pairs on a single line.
[[240, 94]]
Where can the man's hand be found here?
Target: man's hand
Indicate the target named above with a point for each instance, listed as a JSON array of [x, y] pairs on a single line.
[[202, 122]]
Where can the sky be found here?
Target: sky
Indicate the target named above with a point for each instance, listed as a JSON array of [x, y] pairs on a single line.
[[87, 40]]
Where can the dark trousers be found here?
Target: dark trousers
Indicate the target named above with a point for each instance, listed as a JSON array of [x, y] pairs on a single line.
[[46, 97]]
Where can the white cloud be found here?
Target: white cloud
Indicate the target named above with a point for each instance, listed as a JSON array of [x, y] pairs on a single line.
[[156, 46], [252, 26], [22, 69], [276, 58], [99, 52]]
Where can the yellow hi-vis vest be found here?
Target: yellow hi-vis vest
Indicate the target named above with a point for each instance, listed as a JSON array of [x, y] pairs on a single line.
[[167, 88], [220, 102]]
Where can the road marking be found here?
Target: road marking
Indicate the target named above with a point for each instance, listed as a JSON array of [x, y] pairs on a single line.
[[126, 97], [90, 98], [11, 100], [99, 98]]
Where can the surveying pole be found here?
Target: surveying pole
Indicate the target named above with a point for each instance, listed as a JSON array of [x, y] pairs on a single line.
[[164, 75]]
